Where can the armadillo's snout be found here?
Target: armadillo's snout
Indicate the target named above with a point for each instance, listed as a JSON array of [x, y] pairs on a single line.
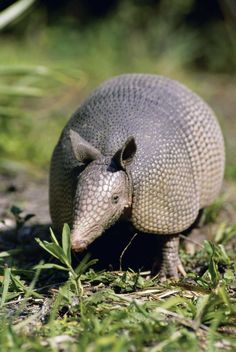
[[78, 246], [80, 239]]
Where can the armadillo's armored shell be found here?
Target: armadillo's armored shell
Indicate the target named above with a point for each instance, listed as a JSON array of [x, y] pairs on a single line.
[[179, 163]]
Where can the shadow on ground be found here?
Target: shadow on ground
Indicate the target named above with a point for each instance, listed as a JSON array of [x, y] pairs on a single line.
[[121, 247]]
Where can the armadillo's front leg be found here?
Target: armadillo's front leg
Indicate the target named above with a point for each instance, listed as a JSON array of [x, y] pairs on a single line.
[[171, 264]]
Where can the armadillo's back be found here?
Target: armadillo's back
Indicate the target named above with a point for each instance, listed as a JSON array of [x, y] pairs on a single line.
[[180, 151]]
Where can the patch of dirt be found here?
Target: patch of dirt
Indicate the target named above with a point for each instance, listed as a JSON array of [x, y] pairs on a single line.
[[30, 195]]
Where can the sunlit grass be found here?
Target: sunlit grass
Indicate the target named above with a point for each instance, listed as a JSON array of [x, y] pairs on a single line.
[[44, 75], [116, 311], [47, 73]]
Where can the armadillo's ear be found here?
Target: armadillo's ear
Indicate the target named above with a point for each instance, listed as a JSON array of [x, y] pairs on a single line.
[[125, 155], [83, 151]]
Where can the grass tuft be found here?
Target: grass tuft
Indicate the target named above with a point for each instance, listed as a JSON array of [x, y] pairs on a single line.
[[118, 311]]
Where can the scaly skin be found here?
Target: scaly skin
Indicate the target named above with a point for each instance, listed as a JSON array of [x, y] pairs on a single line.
[[176, 169]]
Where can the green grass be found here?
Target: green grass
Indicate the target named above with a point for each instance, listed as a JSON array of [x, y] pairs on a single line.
[[50, 70], [116, 311], [55, 306]]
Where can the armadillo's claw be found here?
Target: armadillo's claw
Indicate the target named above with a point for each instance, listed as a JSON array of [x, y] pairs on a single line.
[[167, 272], [180, 268]]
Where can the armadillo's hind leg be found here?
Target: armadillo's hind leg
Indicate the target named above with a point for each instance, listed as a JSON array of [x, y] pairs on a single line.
[[171, 265]]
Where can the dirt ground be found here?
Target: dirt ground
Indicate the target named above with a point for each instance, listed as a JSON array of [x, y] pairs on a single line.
[[30, 195]]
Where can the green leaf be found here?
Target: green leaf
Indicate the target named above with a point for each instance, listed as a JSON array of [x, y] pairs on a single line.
[[85, 264], [6, 284], [50, 266], [217, 252], [65, 292], [223, 256], [229, 276], [20, 91], [21, 287], [55, 250], [10, 252], [13, 12], [66, 242], [24, 70], [224, 295], [213, 270], [200, 308], [208, 247], [19, 284], [16, 211], [28, 217], [220, 232], [53, 237], [225, 233]]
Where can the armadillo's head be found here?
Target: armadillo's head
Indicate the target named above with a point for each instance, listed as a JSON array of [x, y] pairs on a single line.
[[103, 190]]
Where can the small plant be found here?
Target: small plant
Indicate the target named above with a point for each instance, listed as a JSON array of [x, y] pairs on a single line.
[[225, 232], [14, 287], [19, 218], [220, 267], [63, 254]]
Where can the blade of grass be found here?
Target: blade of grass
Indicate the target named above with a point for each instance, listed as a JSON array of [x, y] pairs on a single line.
[[52, 249], [85, 264], [20, 70], [50, 266], [66, 243], [53, 237], [6, 284], [19, 91], [14, 11], [201, 305]]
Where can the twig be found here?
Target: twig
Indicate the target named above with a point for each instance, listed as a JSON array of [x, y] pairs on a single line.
[[185, 238], [125, 249]]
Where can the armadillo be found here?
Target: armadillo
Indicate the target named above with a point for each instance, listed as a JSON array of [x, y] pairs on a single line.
[[143, 145]]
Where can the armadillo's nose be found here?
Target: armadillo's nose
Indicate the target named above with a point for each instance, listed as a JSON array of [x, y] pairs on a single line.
[[81, 237], [78, 245]]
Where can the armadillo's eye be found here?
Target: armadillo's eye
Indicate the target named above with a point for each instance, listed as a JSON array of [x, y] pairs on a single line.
[[115, 199]]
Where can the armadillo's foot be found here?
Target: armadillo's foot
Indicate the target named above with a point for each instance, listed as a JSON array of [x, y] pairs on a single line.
[[171, 265]]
